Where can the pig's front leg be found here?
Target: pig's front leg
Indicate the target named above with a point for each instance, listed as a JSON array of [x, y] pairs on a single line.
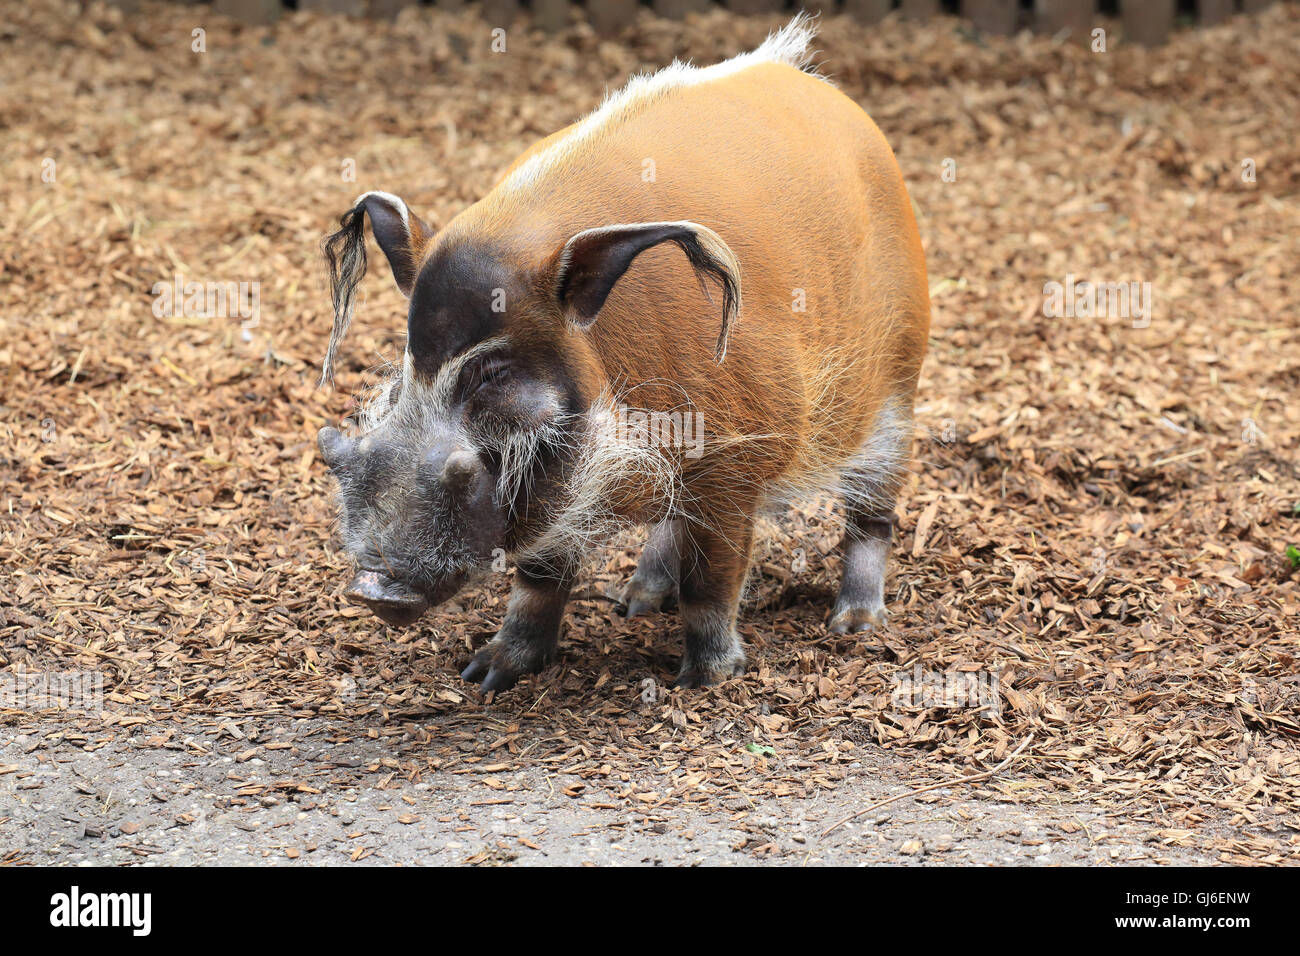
[[529, 634], [715, 560]]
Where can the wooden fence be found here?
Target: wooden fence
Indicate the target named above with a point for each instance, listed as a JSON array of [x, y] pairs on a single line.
[[1144, 21]]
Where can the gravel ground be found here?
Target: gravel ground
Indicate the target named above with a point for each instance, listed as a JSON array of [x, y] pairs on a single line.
[[129, 803]]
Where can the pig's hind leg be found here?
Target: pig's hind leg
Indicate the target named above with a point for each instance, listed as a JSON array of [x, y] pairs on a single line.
[[654, 585], [531, 630], [870, 489], [861, 602]]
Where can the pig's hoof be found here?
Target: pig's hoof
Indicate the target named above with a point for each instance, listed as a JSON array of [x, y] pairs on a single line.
[[694, 675], [646, 597], [851, 620], [494, 669]]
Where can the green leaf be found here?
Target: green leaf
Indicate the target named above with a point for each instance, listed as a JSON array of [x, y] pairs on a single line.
[[761, 749], [1293, 553]]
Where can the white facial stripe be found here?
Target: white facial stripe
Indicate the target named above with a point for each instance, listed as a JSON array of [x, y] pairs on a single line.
[[442, 391]]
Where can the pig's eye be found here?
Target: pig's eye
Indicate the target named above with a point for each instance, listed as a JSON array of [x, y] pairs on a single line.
[[491, 373]]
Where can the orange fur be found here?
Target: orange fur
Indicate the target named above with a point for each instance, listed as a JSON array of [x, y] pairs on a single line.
[[804, 189]]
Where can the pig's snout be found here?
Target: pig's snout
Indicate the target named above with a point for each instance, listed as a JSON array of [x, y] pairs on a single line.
[[460, 470], [334, 447], [426, 520], [392, 601]]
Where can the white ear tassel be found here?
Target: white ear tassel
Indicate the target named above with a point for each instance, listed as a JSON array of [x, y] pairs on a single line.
[[394, 201], [345, 253]]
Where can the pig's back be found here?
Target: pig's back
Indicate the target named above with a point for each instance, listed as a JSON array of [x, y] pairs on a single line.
[[802, 186]]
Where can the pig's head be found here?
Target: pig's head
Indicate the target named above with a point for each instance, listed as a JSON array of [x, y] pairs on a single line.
[[469, 448]]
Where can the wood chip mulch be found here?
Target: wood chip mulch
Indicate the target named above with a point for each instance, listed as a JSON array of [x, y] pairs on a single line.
[[1100, 513]]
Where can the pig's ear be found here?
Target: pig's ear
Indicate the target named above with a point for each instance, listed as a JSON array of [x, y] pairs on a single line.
[[399, 232], [591, 262]]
